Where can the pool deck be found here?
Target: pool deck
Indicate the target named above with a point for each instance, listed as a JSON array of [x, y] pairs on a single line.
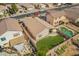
[[73, 27]]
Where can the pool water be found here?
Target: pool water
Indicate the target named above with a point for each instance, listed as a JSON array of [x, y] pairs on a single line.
[[67, 32]]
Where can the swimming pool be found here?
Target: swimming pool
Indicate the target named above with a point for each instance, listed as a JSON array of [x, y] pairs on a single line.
[[66, 32]]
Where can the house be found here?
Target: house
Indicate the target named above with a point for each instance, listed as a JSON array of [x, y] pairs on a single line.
[[2, 9], [55, 17], [72, 14], [51, 6], [27, 6], [12, 36], [42, 5], [20, 9], [36, 27], [39, 6], [20, 46], [23, 49], [9, 30]]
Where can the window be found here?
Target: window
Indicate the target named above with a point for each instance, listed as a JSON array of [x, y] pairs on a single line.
[[2, 39]]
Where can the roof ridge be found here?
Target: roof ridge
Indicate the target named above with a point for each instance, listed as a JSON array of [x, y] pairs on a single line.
[[43, 23]]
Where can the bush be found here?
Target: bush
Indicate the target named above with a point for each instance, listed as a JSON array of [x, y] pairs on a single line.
[[48, 43], [14, 8]]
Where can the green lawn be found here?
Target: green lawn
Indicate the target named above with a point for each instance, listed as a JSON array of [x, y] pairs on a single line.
[[47, 43]]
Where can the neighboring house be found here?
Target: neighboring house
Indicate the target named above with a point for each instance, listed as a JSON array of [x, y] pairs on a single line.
[[20, 9], [27, 6], [2, 9], [37, 6], [55, 17], [42, 5], [23, 49], [51, 5], [36, 27], [9, 29], [72, 14]]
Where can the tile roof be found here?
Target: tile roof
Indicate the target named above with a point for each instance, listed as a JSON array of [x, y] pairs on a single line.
[[56, 14], [26, 5], [9, 24], [72, 13], [33, 25]]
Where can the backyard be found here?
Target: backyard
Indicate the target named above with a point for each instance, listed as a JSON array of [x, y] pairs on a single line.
[[66, 49], [66, 32], [61, 50], [47, 43]]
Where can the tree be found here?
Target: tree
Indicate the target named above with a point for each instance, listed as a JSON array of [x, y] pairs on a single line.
[[14, 8]]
